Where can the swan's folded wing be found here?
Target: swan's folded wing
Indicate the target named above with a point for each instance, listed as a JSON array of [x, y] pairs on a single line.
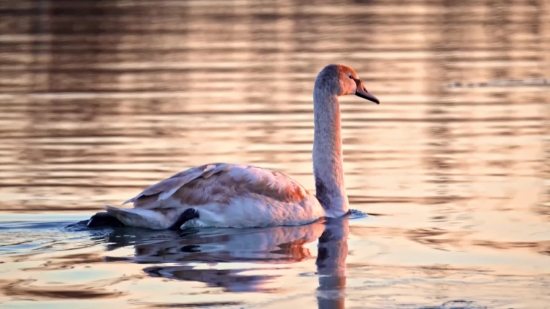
[[164, 189], [218, 183]]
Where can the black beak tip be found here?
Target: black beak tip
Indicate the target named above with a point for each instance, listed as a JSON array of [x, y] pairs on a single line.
[[368, 96]]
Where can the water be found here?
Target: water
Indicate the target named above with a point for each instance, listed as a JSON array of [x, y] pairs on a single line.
[[99, 99]]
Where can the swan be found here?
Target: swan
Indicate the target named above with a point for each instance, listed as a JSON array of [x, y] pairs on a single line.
[[241, 196]]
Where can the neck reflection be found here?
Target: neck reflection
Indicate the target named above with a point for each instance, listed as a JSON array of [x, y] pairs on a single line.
[[331, 263]]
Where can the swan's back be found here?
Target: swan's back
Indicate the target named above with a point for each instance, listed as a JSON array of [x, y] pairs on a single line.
[[226, 195], [217, 183]]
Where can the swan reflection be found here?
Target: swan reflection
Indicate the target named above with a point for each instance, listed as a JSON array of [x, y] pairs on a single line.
[[182, 255], [332, 252]]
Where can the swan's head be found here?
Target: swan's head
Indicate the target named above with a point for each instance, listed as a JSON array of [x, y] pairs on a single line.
[[342, 80]]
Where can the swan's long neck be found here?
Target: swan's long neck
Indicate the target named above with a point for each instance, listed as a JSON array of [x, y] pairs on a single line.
[[327, 154]]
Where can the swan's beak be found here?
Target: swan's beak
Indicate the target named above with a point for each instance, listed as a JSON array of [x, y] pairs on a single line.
[[363, 93]]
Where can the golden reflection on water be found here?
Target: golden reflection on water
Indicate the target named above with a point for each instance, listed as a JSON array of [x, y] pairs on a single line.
[[100, 99]]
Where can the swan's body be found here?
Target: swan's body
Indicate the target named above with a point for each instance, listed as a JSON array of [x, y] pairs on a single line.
[[230, 195], [226, 195]]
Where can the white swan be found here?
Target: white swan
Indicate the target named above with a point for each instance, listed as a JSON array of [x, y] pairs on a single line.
[[231, 195]]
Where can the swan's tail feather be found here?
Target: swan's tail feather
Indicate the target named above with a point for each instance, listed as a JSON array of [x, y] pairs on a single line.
[[158, 219]]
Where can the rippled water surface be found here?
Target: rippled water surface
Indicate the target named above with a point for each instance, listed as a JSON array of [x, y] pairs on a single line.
[[99, 99]]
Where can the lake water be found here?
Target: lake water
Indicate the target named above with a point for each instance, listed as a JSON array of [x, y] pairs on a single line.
[[99, 99]]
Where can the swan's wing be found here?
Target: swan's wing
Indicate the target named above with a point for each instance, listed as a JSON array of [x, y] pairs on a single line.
[[217, 183], [165, 188]]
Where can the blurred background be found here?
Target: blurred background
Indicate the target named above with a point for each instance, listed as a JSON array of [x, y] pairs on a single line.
[[99, 99]]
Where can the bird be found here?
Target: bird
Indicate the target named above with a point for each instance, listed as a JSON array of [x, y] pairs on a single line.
[[227, 195]]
